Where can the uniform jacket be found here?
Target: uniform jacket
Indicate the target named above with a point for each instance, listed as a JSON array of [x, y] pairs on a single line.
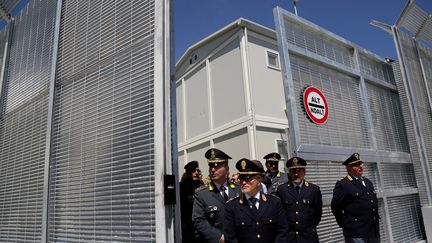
[[273, 182], [303, 210], [356, 208], [208, 211], [244, 224], [187, 190]]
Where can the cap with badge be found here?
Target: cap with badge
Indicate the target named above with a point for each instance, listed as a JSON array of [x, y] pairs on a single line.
[[296, 163], [272, 157], [353, 159], [215, 157], [191, 166], [247, 167]]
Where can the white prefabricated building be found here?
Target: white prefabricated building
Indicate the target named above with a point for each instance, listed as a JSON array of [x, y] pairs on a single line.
[[231, 95]]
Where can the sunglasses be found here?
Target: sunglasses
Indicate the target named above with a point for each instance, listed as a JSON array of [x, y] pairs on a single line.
[[246, 178]]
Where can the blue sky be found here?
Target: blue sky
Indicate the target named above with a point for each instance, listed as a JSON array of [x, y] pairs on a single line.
[[197, 19]]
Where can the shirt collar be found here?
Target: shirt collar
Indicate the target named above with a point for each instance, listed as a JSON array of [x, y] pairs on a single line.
[[257, 196]]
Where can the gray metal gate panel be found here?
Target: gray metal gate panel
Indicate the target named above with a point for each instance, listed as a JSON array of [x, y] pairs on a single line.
[[346, 126], [22, 146], [387, 119], [378, 70], [364, 115], [102, 185], [32, 42], [404, 214], [24, 123]]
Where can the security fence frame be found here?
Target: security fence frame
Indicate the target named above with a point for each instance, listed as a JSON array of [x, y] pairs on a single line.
[[86, 118], [365, 115]]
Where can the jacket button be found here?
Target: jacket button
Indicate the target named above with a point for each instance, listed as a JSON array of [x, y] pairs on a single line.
[[371, 201], [373, 209], [242, 223], [270, 221], [296, 212], [355, 219], [258, 236], [296, 202], [296, 222], [296, 232]]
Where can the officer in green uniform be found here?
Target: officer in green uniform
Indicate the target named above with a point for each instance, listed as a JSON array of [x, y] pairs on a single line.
[[302, 202], [273, 177], [355, 204], [209, 201]]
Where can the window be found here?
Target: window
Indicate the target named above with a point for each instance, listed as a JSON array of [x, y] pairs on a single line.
[[273, 60]]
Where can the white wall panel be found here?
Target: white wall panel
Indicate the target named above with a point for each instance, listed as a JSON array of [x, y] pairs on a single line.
[[197, 153], [236, 145], [266, 143], [180, 112], [196, 108], [266, 83], [228, 92]]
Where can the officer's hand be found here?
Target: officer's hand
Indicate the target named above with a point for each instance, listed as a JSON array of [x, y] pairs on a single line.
[[222, 239]]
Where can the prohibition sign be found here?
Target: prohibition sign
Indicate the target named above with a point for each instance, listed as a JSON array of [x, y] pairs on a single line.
[[315, 105]]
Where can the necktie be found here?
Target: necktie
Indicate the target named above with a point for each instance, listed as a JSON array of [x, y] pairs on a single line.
[[362, 181], [297, 189], [253, 201], [225, 196]]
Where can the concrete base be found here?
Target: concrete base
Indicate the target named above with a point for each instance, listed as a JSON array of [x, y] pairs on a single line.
[[427, 220]]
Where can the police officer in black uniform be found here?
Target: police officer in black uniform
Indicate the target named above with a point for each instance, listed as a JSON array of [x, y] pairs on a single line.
[[302, 202], [273, 177], [209, 201], [191, 180], [355, 204], [254, 216]]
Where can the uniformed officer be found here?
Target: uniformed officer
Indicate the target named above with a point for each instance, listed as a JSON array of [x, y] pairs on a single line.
[[254, 216], [191, 180], [355, 204], [273, 177], [209, 201], [302, 202]]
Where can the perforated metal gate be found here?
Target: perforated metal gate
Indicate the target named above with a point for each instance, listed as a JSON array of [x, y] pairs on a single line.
[[365, 115], [85, 129]]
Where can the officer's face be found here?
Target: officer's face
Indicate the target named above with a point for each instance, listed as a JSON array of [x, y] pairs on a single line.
[[196, 174], [355, 169], [272, 166], [250, 185], [297, 175], [219, 173]]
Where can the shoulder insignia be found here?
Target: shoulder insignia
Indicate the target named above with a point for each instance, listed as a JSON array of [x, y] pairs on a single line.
[[278, 174], [273, 195], [306, 183], [349, 177], [210, 187], [231, 199], [232, 185], [200, 188], [263, 197], [241, 199]]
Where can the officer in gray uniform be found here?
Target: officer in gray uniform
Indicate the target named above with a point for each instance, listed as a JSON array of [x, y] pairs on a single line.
[[273, 177], [209, 200], [355, 204]]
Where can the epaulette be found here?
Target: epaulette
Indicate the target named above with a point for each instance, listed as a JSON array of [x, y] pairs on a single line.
[[229, 200], [273, 195], [232, 185], [306, 184], [200, 188], [348, 177]]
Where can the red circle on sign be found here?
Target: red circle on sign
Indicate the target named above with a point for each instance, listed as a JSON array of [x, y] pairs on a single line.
[[315, 105]]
